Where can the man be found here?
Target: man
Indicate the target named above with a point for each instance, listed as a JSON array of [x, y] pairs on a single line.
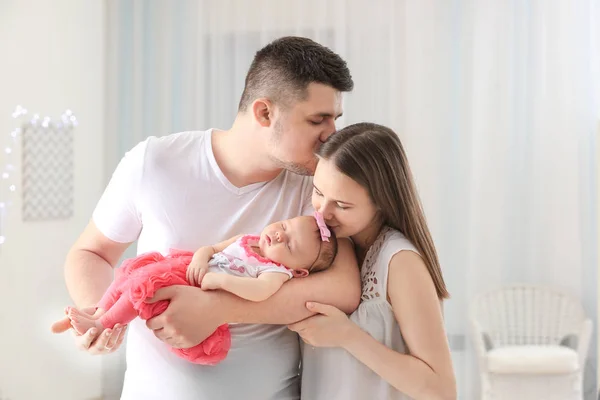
[[197, 188]]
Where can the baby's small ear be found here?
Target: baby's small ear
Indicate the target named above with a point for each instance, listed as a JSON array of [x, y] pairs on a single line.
[[300, 273]]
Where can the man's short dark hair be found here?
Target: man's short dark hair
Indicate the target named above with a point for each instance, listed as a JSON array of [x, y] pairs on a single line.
[[282, 71]]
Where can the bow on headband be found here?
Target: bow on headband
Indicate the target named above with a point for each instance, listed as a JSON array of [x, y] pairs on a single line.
[[325, 233]]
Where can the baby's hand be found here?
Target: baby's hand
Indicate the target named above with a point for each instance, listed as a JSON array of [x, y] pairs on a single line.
[[196, 271]]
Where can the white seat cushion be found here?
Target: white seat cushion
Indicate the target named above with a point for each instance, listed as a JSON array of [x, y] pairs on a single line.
[[532, 360]]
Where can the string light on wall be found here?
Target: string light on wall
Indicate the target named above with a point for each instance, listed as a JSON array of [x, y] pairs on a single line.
[[8, 184], [10, 154]]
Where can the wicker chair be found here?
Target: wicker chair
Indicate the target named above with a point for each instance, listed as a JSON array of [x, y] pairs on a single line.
[[531, 343]]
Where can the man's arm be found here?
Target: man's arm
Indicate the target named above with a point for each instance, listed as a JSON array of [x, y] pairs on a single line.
[[88, 273], [338, 286], [89, 266], [89, 263]]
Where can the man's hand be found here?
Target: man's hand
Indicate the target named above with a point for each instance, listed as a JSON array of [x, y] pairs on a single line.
[[106, 342], [191, 317]]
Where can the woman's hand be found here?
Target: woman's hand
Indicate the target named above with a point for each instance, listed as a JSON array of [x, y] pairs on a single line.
[[329, 328]]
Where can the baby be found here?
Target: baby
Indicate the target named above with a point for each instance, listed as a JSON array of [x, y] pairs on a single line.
[[285, 249], [251, 267]]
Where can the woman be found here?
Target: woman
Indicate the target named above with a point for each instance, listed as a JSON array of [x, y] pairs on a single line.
[[394, 345]]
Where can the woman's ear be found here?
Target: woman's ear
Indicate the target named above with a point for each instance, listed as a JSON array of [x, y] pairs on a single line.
[[300, 273], [379, 218], [262, 110]]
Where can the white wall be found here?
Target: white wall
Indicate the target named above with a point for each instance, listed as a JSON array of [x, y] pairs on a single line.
[[52, 58], [598, 239]]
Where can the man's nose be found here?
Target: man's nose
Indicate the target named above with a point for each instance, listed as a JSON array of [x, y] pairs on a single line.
[[329, 129]]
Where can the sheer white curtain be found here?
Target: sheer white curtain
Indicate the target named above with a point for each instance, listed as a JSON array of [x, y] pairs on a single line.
[[495, 101]]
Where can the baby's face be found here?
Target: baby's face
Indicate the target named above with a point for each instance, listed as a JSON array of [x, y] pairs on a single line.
[[294, 242]]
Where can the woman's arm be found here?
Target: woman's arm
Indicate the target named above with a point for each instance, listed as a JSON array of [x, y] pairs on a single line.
[[253, 289], [339, 285], [425, 373]]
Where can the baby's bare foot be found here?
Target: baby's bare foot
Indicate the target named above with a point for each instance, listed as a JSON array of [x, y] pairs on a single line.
[[82, 322], [76, 311]]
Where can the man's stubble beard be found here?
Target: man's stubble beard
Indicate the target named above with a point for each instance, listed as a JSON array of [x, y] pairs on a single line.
[[305, 169]]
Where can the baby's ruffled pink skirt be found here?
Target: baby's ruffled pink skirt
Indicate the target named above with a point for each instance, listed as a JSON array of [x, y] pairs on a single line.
[[140, 277]]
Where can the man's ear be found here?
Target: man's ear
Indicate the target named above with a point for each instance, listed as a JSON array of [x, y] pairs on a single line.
[[300, 273], [262, 110]]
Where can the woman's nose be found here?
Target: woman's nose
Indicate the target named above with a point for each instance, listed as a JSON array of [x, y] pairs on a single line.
[[326, 211]]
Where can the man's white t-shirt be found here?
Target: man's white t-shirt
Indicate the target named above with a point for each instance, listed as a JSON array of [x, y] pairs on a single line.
[[169, 192]]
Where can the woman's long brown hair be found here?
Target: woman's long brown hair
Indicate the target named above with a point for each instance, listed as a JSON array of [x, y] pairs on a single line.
[[373, 156]]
